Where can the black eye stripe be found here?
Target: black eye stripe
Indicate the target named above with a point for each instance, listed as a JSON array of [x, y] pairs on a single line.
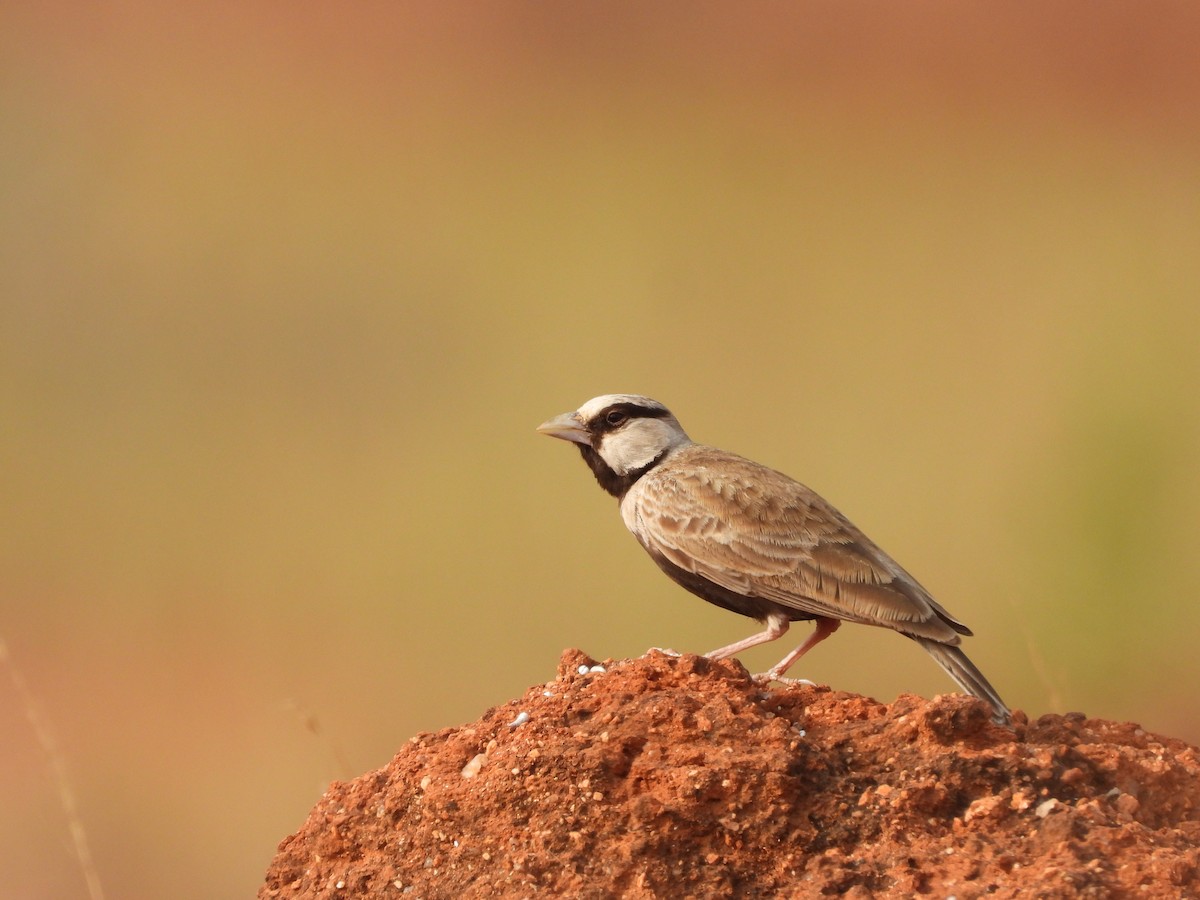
[[622, 412]]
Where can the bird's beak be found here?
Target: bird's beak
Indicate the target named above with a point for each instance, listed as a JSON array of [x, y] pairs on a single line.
[[567, 427]]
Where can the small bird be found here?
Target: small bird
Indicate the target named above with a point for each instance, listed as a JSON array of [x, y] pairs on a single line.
[[754, 541]]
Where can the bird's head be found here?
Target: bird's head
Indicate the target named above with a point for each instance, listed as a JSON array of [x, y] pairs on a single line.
[[621, 436]]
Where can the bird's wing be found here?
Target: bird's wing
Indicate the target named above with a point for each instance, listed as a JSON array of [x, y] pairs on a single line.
[[757, 532]]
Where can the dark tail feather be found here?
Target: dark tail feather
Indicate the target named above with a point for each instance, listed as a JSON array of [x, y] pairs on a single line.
[[966, 676]]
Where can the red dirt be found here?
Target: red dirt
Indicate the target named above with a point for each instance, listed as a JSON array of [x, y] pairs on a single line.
[[681, 777]]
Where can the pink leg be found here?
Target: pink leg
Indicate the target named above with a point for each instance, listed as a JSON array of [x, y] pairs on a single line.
[[825, 627], [777, 626]]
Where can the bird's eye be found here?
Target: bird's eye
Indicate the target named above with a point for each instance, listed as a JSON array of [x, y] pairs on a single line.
[[615, 417]]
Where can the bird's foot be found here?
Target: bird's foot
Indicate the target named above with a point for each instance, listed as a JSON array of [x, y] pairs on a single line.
[[768, 677]]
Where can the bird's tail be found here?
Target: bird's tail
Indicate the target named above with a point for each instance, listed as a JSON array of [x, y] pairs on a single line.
[[966, 676]]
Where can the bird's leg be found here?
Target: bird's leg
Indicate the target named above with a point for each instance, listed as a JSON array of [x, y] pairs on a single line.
[[825, 627], [777, 626]]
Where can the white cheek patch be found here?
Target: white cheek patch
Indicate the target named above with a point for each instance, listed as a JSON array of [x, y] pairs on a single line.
[[639, 443], [623, 456]]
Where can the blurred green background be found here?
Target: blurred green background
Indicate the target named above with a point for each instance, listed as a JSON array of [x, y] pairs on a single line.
[[285, 289]]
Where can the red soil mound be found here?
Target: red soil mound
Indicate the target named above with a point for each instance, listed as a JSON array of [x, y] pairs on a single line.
[[680, 777]]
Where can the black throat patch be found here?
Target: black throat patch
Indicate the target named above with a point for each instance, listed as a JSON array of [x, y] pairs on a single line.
[[617, 485]]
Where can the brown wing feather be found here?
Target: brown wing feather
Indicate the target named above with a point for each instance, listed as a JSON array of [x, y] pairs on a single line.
[[756, 531]]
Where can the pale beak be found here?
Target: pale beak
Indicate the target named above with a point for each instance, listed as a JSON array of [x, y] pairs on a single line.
[[567, 427]]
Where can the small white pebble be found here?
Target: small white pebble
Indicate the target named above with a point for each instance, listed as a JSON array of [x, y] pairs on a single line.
[[1045, 808], [582, 670], [340, 885], [471, 769], [547, 693], [521, 719], [597, 669]]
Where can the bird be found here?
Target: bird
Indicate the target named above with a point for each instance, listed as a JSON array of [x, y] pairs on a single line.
[[755, 541]]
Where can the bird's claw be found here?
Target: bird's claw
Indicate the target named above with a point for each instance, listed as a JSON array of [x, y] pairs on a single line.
[[768, 677]]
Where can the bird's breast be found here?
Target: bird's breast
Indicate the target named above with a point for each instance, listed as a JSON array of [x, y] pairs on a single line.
[[630, 514]]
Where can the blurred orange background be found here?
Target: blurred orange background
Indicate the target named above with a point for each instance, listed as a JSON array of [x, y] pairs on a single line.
[[285, 289]]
